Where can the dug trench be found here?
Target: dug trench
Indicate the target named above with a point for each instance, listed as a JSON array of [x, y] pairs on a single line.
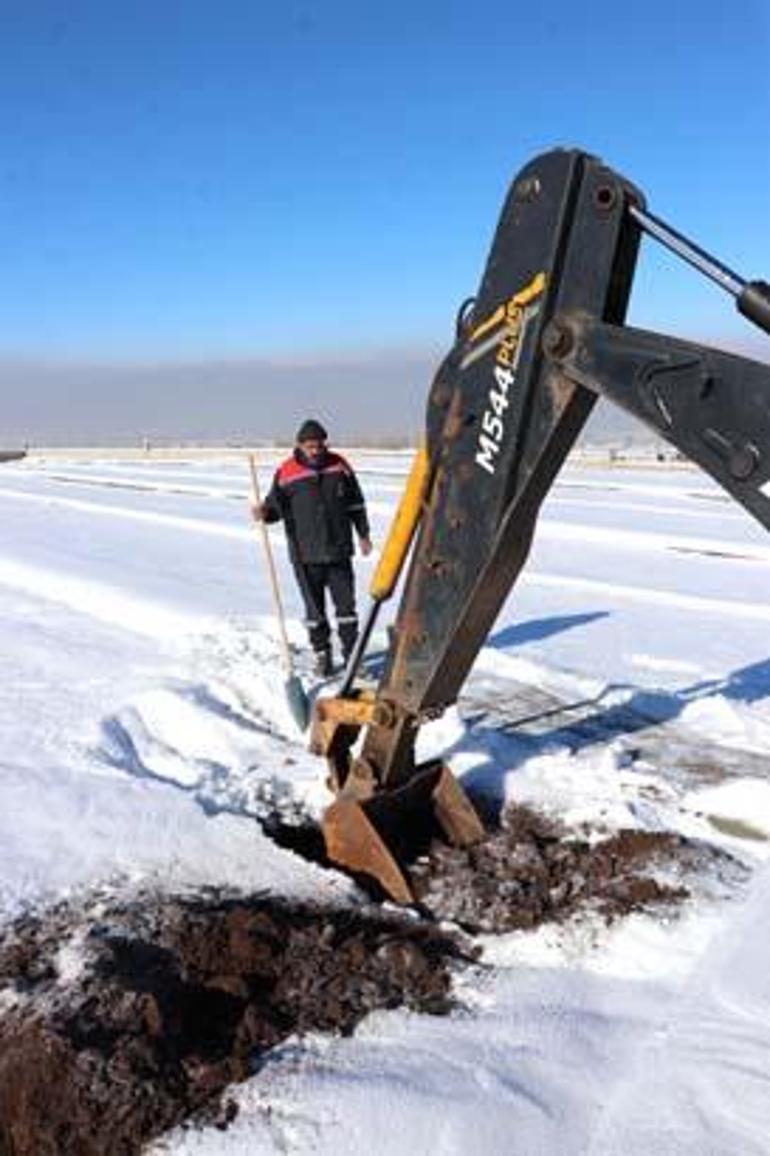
[[120, 1019]]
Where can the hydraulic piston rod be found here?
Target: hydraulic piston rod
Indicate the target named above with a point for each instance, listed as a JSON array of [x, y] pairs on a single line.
[[753, 297]]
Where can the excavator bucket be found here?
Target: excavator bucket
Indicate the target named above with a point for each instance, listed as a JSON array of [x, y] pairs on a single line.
[[377, 838]]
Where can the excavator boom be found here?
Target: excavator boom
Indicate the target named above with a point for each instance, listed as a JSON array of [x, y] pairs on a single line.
[[544, 338]]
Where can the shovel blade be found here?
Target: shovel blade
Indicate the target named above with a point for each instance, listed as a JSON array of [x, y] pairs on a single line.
[[297, 701], [379, 837]]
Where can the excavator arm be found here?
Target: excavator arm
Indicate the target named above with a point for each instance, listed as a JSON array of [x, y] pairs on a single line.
[[543, 339]]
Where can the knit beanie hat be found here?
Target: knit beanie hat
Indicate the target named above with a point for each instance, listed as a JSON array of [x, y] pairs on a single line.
[[311, 430]]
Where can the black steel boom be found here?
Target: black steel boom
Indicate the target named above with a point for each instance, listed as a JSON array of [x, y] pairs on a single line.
[[544, 337]]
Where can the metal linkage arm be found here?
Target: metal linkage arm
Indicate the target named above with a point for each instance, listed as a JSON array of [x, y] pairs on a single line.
[[713, 406]]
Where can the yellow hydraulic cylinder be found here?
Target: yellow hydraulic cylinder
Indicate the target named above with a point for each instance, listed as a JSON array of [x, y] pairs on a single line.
[[392, 557], [402, 529]]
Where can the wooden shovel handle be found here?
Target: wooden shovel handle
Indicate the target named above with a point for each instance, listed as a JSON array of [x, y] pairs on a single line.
[[270, 566]]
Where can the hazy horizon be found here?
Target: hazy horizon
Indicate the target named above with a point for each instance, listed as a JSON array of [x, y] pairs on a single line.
[[378, 395]]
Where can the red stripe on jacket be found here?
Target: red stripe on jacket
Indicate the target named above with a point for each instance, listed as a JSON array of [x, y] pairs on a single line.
[[294, 471]]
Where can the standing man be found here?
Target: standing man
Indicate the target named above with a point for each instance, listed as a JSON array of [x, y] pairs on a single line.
[[317, 495]]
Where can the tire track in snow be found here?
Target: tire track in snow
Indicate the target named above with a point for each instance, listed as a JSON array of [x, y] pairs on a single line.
[[697, 603], [551, 529], [232, 489], [150, 486], [591, 503], [103, 602], [645, 541], [649, 489], [548, 528], [175, 521], [151, 477], [116, 607], [634, 540]]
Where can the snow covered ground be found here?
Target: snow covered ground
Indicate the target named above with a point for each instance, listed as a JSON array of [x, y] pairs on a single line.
[[143, 726]]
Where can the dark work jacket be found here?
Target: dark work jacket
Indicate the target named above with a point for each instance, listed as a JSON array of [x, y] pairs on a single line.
[[318, 502]]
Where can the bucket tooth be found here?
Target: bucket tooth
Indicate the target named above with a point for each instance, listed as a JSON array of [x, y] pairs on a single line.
[[352, 842], [454, 812]]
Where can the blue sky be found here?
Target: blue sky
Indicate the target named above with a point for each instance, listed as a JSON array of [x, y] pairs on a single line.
[[195, 180]]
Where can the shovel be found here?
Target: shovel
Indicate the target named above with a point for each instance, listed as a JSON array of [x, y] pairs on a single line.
[[296, 698]]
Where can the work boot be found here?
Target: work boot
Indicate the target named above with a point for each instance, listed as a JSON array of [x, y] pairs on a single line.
[[323, 663]]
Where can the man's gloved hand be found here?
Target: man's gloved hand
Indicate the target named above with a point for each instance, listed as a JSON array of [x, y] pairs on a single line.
[[365, 545], [258, 511]]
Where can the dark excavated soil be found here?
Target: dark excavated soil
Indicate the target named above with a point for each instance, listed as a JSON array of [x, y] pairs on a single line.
[[175, 999], [121, 1020], [533, 871]]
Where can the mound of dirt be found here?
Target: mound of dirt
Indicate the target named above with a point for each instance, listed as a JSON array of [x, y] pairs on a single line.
[[121, 1021], [533, 871]]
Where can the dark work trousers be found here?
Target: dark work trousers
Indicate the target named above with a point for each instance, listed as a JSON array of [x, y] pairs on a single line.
[[314, 578]]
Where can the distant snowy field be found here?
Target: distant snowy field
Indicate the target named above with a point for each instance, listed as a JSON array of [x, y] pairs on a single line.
[[143, 726]]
